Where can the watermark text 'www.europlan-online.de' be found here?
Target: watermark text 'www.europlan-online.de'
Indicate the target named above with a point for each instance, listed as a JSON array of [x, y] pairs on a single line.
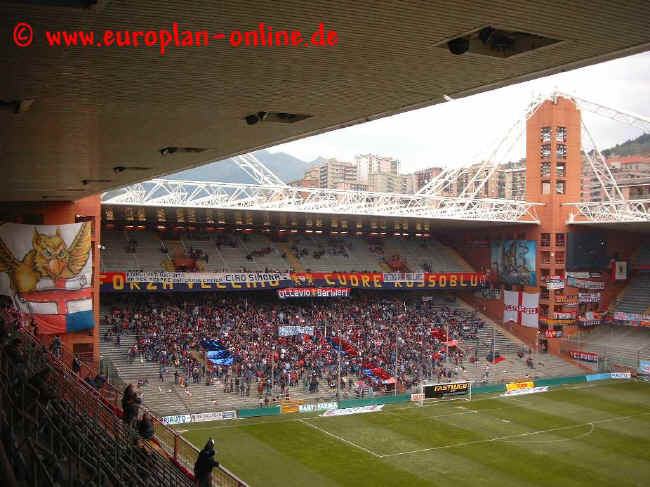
[[176, 37]]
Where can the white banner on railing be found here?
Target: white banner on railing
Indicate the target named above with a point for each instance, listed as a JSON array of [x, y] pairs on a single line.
[[578, 275], [581, 283], [207, 277], [620, 270], [403, 276], [289, 330], [214, 416], [178, 419], [589, 297]]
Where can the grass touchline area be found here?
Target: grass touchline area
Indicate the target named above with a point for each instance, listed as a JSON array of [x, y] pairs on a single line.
[[590, 435]]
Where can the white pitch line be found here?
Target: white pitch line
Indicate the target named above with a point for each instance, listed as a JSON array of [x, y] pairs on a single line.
[[520, 435], [560, 440], [340, 439]]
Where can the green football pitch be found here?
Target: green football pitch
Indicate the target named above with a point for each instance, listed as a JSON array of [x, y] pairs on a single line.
[[589, 434]]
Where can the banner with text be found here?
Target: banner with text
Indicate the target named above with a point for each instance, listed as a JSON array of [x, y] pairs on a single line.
[[207, 277], [644, 366], [117, 282], [403, 276], [633, 317], [522, 308], [584, 356], [314, 292], [290, 330], [583, 284], [553, 333], [555, 283], [619, 270], [589, 297]]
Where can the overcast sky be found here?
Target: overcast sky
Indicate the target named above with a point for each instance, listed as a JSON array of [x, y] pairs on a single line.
[[458, 131]]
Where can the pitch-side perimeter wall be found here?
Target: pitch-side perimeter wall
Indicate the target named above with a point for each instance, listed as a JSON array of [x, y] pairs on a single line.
[[402, 398]]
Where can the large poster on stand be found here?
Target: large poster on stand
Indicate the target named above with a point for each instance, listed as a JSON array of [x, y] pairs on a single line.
[[47, 271], [515, 260]]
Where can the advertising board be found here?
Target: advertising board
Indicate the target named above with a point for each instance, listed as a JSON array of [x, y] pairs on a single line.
[[436, 391]]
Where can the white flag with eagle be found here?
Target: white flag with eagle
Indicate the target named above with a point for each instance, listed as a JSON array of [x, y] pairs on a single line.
[[47, 270]]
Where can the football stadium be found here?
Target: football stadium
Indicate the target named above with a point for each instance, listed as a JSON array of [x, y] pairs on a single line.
[[180, 306]]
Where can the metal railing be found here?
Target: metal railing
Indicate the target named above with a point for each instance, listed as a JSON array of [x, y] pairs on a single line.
[[104, 406], [109, 449]]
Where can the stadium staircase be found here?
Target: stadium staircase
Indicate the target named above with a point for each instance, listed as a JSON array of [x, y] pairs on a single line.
[[465, 266], [114, 256], [616, 345], [389, 251], [508, 346], [295, 263], [636, 297], [362, 259]]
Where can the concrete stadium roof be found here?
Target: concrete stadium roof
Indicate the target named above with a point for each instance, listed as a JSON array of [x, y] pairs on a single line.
[[101, 115], [171, 217]]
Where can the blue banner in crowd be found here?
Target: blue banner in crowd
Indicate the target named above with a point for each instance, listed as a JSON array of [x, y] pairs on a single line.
[[216, 352]]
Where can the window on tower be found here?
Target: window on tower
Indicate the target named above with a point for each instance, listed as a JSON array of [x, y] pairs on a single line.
[[546, 134]]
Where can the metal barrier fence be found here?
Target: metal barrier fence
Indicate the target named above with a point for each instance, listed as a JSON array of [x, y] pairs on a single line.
[[104, 406]]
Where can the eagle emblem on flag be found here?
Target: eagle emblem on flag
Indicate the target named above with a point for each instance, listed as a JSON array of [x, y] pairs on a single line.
[[47, 270], [49, 257]]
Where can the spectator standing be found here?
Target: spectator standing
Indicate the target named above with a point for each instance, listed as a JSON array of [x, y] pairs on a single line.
[[76, 365], [55, 347], [145, 426], [204, 465], [130, 404]]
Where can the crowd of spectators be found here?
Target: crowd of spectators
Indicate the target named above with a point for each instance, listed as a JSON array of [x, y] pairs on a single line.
[[198, 254], [131, 246], [224, 240], [259, 253], [397, 264], [402, 335], [332, 247]]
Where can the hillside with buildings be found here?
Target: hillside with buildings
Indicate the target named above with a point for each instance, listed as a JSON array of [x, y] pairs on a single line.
[[633, 147], [285, 166], [629, 162]]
